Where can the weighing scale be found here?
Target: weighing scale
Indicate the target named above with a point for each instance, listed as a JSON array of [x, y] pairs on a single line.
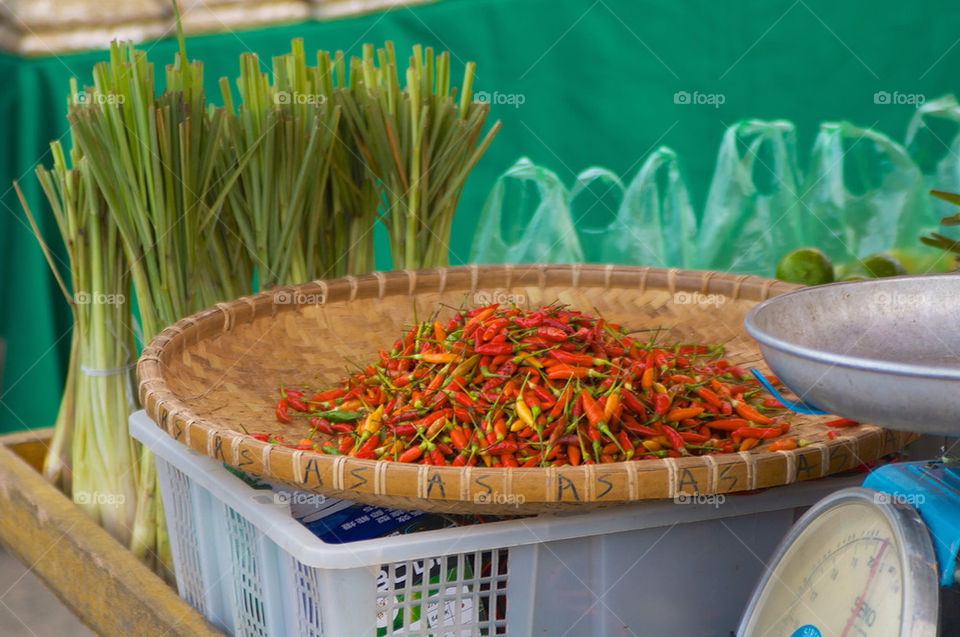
[[880, 559]]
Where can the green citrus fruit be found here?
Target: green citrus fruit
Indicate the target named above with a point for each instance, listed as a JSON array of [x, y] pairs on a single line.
[[879, 265], [805, 265]]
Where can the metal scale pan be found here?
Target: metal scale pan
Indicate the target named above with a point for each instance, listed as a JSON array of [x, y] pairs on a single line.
[[880, 560], [882, 351]]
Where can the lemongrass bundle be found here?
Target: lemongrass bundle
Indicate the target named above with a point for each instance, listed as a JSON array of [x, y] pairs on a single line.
[[419, 144], [99, 396], [288, 128], [193, 203], [154, 159]]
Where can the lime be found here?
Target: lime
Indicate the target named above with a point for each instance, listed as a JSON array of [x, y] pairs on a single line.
[[805, 265], [853, 276], [881, 265]]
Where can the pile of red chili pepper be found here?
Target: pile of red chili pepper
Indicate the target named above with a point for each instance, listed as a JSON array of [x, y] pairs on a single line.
[[507, 387]]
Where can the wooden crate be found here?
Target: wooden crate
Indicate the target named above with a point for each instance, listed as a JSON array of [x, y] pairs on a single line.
[[93, 574]]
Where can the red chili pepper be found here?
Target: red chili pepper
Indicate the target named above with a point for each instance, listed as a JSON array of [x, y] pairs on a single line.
[[661, 402], [367, 448], [504, 446], [693, 349], [841, 422], [262, 437], [631, 425], [403, 430], [756, 432], [560, 325], [533, 320], [633, 403], [728, 424], [463, 399], [493, 328], [297, 403], [693, 438], [562, 402], [673, 436], [563, 372], [625, 444], [322, 425], [551, 334], [281, 411], [403, 416], [494, 349]]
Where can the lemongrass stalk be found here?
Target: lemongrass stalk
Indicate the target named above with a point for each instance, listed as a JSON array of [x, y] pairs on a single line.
[[56, 465], [98, 397]]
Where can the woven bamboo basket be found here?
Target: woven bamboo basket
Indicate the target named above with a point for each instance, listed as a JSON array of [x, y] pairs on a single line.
[[213, 375]]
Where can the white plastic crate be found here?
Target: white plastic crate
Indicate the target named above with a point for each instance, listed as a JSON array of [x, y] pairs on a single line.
[[654, 568]]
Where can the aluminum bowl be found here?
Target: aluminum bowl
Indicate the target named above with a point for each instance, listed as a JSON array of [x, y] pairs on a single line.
[[882, 351]]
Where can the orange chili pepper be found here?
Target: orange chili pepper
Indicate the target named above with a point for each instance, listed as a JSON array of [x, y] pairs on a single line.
[[751, 414], [441, 357], [783, 444], [646, 379], [610, 406], [682, 413]]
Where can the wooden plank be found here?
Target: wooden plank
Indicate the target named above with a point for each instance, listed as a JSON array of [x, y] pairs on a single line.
[[30, 445], [93, 574]]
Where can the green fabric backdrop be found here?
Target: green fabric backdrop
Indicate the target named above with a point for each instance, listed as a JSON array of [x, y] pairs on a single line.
[[598, 79]]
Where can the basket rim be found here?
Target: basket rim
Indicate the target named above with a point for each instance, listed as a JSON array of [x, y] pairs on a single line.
[[332, 473]]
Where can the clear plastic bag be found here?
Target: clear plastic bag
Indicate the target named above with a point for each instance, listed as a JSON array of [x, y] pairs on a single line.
[[752, 215], [597, 196], [526, 219], [863, 194], [654, 222], [658, 224], [933, 143]]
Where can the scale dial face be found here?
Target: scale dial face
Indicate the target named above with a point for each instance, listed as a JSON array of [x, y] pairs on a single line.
[[855, 565]]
